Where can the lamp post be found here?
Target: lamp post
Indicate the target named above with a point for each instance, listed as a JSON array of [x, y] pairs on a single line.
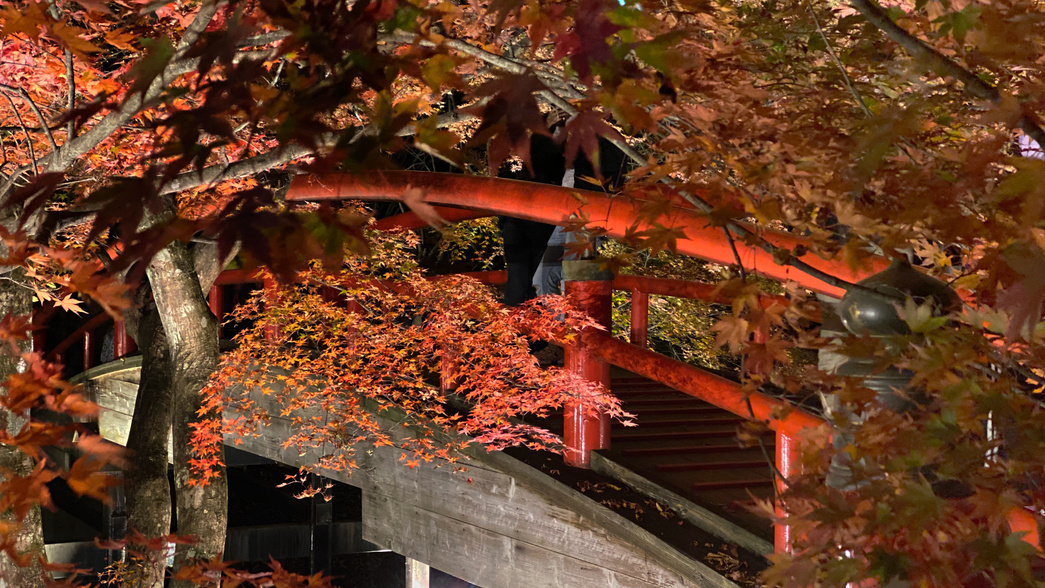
[[871, 310]]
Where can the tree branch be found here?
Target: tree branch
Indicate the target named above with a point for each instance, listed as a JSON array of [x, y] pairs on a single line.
[[266, 161], [975, 86], [239, 169], [70, 130], [70, 80], [499, 61], [61, 159], [838, 63], [36, 110], [28, 140]]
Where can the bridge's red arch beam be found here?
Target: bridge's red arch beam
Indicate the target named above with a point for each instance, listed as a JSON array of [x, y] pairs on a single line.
[[554, 204], [410, 220]]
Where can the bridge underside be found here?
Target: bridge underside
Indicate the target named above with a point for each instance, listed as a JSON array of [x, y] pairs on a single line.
[[498, 524]]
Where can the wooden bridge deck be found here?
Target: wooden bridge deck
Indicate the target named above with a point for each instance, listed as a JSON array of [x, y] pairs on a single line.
[[503, 523], [689, 447]]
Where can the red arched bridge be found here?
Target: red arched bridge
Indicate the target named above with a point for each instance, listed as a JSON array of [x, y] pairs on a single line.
[[531, 530]]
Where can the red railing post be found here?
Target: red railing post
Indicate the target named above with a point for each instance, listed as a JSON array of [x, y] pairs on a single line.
[[785, 464], [88, 350], [216, 302], [590, 289], [639, 318], [123, 345]]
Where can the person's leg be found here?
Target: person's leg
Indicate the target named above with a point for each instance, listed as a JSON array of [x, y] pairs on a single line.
[[517, 261]]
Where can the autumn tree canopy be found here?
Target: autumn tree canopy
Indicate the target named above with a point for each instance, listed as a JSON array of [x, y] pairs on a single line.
[[171, 128]]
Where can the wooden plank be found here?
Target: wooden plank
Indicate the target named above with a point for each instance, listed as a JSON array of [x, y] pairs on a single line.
[[494, 504], [117, 399], [127, 368], [114, 426], [564, 525], [115, 395], [482, 557], [692, 513]]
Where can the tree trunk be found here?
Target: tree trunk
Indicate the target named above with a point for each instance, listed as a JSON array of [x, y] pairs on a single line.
[[192, 333], [148, 492], [17, 300]]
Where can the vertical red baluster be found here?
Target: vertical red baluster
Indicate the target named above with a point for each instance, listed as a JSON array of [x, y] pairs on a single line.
[[329, 294], [88, 350], [216, 301], [639, 318], [123, 345], [590, 288]]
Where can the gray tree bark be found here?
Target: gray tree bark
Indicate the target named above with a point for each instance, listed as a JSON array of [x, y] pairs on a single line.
[[29, 539], [167, 387], [147, 490], [192, 334]]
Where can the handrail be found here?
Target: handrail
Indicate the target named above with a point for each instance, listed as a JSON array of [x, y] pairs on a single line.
[[781, 416], [556, 204], [77, 335], [685, 289]]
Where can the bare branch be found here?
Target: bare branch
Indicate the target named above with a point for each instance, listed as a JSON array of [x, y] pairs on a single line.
[[838, 63], [239, 169], [265, 39], [736, 254], [208, 265], [17, 129], [70, 80], [36, 110], [70, 74], [14, 178], [267, 161], [975, 86], [545, 73], [28, 139]]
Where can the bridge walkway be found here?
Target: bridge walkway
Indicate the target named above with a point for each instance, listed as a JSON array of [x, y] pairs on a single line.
[[510, 519]]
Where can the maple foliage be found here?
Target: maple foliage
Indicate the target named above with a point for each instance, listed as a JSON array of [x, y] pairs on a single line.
[[867, 128], [340, 347], [37, 389]]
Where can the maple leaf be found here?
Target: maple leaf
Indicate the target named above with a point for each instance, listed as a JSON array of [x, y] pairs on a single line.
[[29, 20], [586, 45], [86, 478], [509, 116], [21, 493], [70, 304], [414, 198], [101, 449], [732, 332], [1025, 296], [582, 133], [70, 38]]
